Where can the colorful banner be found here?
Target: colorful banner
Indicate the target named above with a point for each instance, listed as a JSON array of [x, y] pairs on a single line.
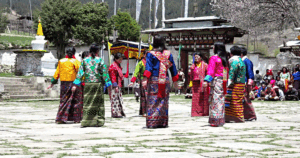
[[133, 50], [138, 9]]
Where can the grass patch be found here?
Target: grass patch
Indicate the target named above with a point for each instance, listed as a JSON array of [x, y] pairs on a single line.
[[69, 145], [16, 41]]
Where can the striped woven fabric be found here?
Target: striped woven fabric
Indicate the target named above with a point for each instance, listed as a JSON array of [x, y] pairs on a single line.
[[236, 110]]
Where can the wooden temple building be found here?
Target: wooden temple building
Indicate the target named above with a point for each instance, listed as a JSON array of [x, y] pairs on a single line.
[[292, 46], [196, 35]]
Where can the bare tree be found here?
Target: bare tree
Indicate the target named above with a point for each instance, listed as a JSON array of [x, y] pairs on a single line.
[[260, 15]]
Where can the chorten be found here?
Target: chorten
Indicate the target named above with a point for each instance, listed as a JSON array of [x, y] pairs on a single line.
[[39, 42]]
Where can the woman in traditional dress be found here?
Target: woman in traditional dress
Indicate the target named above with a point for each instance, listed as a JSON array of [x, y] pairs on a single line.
[[216, 74], [70, 107], [200, 104], [158, 62], [115, 94], [138, 74], [93, 72], [285, 77], [234, 111]]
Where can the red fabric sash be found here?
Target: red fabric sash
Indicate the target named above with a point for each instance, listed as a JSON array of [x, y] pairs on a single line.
[[165, 64], [119, 69]]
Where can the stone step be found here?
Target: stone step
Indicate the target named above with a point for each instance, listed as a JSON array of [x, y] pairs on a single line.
[[18, 86], [27, 96], [21, 89], [25, 92], [12, 82], [13, 79]]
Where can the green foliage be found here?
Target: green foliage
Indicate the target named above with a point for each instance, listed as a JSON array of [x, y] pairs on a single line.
[[127, 27], [276, 52], [3, 22], [259, 47], [15, 41], [58, 17], [93, 23]]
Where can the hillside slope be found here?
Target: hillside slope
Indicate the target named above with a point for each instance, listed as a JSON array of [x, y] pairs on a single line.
[[173, 8]]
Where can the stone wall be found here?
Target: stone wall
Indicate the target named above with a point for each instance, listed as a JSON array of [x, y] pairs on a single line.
[[275, 63], [41, 83]]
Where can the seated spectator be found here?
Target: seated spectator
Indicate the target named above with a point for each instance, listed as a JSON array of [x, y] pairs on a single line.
[[270, 73], [261, 92], [254, 91], [272, 81], [266, 75], [267, 81], [292, 94], [279, 93], [270, 94], [257, 78]]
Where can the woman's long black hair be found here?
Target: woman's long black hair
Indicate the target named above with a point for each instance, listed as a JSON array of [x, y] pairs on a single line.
[[220, 50], [94, 50], [159, 43]]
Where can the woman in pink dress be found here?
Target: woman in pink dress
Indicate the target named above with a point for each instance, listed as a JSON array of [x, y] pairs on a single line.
[[200, 104], [216, 68]]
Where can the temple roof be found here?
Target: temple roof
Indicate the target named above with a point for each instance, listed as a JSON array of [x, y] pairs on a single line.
[[291, 43], [190, 29], [197, 19]]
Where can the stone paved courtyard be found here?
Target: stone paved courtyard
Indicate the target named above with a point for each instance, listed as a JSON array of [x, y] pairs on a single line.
[[28, 130]]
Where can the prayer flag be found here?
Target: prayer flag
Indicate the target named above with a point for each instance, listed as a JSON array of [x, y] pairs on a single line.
[[186, 8], [156, 8], [138, 9]]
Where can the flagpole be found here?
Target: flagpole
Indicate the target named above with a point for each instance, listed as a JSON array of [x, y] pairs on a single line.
[[115, 13], [149, 39], [163, 13], [128, 64]]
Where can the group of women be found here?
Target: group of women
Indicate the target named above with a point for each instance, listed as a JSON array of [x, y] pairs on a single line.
[[83, 84]]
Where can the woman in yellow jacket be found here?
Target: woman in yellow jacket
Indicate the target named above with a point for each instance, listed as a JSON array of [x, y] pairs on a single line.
[[70, 108]]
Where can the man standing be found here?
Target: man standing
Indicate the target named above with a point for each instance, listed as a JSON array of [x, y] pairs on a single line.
[[236, 86], [249, 112], [181, 81]]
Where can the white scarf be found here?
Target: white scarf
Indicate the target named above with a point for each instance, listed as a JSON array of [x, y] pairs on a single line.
[[244, 58]]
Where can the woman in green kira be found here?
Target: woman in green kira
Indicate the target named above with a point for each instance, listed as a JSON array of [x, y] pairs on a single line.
[[93, 72]]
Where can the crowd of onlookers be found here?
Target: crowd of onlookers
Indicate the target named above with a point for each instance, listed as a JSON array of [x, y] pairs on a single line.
[[285, 85]]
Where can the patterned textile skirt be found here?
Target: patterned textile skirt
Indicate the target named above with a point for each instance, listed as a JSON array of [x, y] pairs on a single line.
[[249, 112], [217, 104], [236, 111], [200, 104], [93, 105], [116, 101], [157, 108], [143, 102], [70, 107]]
